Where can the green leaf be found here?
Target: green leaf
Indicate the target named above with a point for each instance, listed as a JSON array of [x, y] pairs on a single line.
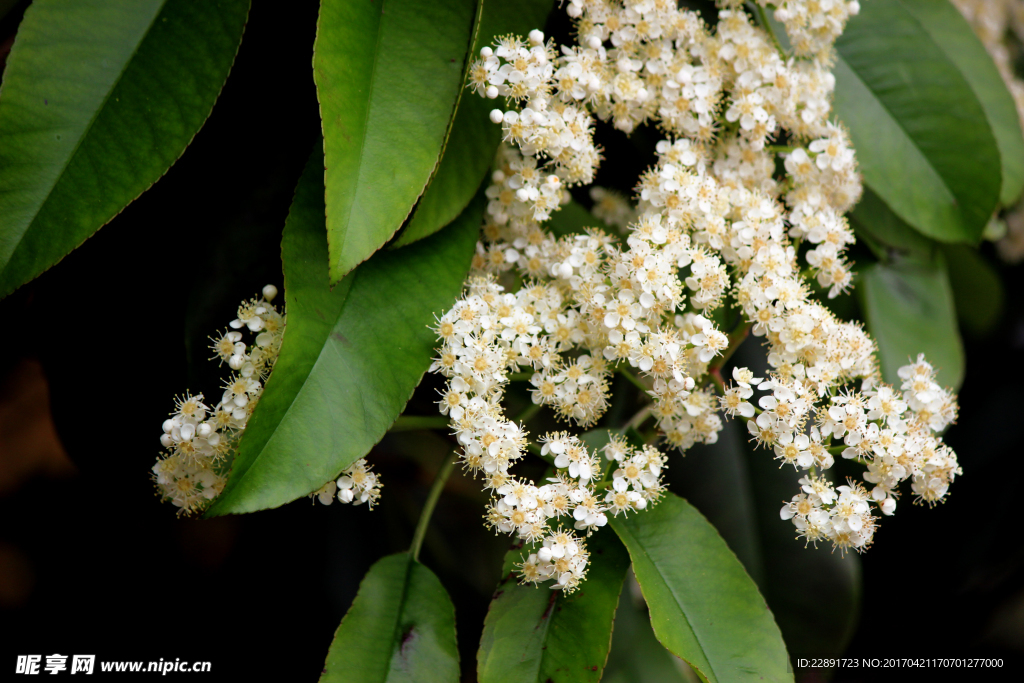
[[922, 137], [351, 355], [473, 138], [950, 30], [533, 634], [704, 607], [388, 76], [909, 310], [977, 289], [400, 628], [886, 235], [99, 99]]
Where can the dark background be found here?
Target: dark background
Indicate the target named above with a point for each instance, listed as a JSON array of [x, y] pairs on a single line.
[[92, 353]]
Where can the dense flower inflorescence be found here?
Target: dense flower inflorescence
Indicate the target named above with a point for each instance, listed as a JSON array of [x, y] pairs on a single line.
[[714, 225]]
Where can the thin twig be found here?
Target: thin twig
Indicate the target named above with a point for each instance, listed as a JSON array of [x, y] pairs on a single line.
[[638, 419], [447, 465], [633, 379], [416, 423], [763, 16]]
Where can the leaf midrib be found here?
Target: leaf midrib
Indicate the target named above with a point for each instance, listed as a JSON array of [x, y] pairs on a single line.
[[398, 616], [661, 576], [550, 611], [85, 132]]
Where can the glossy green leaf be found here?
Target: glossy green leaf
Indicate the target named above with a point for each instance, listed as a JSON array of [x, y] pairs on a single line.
[[977, 289], [923, 140], [99, 98], [473, 138], [533, 634], [400, 629], [388, 75], [909, 310], [351, 355], [704, 607], [950, 30]]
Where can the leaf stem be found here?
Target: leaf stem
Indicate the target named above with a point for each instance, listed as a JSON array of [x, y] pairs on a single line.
[[763, 17], [528, 412], [638, 419], [633, 379], [415, 423], [447, 465], [716, 379]]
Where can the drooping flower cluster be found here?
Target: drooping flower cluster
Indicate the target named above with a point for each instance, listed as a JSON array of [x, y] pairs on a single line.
[[896, 435], [714, 225], [198, 440]]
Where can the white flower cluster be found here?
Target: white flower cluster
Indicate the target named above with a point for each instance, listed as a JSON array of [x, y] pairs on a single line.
[[486, 335], [545, 126], [896, 435], [713, 225], [812, 25], [199, 441], [995, 22], [357, 484]]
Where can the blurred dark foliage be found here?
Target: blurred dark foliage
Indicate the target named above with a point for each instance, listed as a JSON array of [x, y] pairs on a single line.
[[92, 563]]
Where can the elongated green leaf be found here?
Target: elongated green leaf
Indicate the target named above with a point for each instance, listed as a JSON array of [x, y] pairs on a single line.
[[977, 289], [473, 139], [99, 98], [922, 137], [950, 30], [401, 628], [534, 635], [704, 606], [909, 310], [388, 75], [351, 355]]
